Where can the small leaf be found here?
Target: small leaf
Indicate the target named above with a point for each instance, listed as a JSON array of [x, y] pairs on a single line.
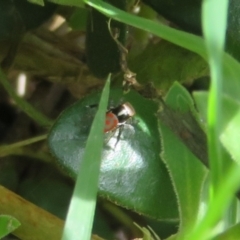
[[7, 225]]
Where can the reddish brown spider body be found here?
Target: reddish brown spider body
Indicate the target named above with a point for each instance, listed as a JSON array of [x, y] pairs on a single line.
[[116, 117]]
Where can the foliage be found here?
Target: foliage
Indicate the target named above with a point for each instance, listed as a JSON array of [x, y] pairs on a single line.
[[175, 162]]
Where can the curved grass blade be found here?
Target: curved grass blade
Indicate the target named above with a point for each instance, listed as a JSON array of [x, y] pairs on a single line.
[[214, 28], [11, 148], [221, 200], [225, 180], [81, 210], [25, 106]]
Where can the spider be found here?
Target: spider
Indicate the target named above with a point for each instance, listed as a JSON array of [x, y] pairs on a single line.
[[118, 116]]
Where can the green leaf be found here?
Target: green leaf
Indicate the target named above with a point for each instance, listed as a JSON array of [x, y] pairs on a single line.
[[7, 225], [132, 173], [163, 64], [187, 173]]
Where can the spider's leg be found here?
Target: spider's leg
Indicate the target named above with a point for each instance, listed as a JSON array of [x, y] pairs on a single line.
[[110, 135], [120, 129]]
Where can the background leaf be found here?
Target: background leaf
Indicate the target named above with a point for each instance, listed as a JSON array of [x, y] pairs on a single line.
[[164, 63], [186, 172]]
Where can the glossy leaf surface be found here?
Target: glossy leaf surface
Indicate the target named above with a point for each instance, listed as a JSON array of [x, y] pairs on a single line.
[[132, 173]]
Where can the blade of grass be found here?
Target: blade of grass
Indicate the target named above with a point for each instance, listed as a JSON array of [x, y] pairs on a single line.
[[214, 17], [221, 200], [81, 210], [5, 150], [231, 234], [25, 106], [224, 182]]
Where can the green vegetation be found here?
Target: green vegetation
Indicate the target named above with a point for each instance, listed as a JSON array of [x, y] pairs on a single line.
[[171, 171]]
